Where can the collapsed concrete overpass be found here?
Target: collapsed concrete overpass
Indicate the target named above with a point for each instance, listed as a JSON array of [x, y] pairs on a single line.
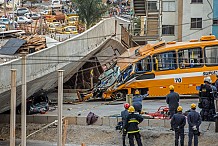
[[69, 56]]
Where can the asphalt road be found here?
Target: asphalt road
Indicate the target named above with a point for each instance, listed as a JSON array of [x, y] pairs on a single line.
[[102, 108]]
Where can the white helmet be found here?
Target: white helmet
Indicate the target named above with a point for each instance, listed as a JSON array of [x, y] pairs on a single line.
[[208, 79]]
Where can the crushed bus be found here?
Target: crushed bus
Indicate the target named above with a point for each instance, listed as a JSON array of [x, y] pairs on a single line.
[[153, 67]]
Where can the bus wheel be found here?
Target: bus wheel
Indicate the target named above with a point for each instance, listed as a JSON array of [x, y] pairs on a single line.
[[120, 96]]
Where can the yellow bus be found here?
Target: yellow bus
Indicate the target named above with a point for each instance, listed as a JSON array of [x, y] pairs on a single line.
[[152, 68]]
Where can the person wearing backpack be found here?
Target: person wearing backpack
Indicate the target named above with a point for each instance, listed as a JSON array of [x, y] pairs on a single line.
[[124, 115], [131, 126]]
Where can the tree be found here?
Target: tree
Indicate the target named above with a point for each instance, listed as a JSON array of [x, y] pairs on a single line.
[[90, 11]]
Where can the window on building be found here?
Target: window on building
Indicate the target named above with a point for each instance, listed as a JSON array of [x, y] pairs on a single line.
[[189, 58], [196, 22], [168, 29], [211, 57], [197, 1], [215, 22], [165, 61], [169, 6], [152, 5], [143, 65]]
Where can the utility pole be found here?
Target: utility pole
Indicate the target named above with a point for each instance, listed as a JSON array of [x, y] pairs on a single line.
[[13, 14], [5, 2], [13, 107], [60, 105], [23, 103]]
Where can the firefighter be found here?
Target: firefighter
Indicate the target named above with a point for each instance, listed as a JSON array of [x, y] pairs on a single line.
[[178, 122], [131, 126], [137, 101], [194, 121], [172, 99], [124, 115]]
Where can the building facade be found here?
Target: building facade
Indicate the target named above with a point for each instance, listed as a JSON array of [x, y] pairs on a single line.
[[215, 18], [181, 20]]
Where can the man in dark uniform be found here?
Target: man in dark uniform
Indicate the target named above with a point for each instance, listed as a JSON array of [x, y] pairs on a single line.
[[131, 126], [178, 122], [124, 115], [194, 121], [137, 101], [206, 100], [172, 100]]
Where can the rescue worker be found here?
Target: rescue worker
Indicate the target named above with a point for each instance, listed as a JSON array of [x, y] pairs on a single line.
[[194, 121], [178, 122], [172, 99], [124, 115], [206, 100], [131, 126], [137, 101], [216, 82]]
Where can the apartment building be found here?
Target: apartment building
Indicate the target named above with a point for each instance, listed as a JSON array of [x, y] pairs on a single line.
[[215, 18], [180, 20]]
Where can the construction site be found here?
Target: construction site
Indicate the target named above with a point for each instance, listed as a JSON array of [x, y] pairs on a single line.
[[55, 73]]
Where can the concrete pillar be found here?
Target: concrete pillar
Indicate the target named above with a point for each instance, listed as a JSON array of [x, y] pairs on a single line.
[[13, 107], [180, 18]]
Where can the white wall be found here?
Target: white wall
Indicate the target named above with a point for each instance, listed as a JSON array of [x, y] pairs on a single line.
[[196, 11], [170, 18]]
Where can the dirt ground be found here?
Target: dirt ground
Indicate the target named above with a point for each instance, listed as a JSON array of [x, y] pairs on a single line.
[[105, 135]]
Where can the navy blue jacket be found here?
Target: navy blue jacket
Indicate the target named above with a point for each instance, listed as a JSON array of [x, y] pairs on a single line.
[[124, 115], [178, 121], [137, 99], [131, 123], [173, 100], [194, 119]]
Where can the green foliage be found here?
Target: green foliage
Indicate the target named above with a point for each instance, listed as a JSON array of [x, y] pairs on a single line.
[[90, 11]]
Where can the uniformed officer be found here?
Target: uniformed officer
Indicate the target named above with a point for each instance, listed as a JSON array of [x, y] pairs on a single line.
[[124, 115], [194, 121], [131, 125], [206, 94], [172, 100], [178, 122]]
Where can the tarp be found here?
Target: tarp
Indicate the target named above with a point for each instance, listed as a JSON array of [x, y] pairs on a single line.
[[12, 45]]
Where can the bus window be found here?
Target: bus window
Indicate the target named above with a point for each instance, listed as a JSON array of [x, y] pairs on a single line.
[[125, 74], [211, 55], [143, 65], [189, 58], [165, 61]]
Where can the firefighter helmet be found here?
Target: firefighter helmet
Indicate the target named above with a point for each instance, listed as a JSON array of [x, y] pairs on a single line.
[[171, 87], [193, 106], [131, 109], [137, 91], [179, 109], [126, 105]]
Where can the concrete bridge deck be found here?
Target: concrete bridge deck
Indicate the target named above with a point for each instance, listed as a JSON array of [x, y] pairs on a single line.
[[69, 56]]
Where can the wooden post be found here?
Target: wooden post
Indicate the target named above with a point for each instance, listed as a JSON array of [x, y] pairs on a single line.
[[65, 132], [129, 98], [83, 144]]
